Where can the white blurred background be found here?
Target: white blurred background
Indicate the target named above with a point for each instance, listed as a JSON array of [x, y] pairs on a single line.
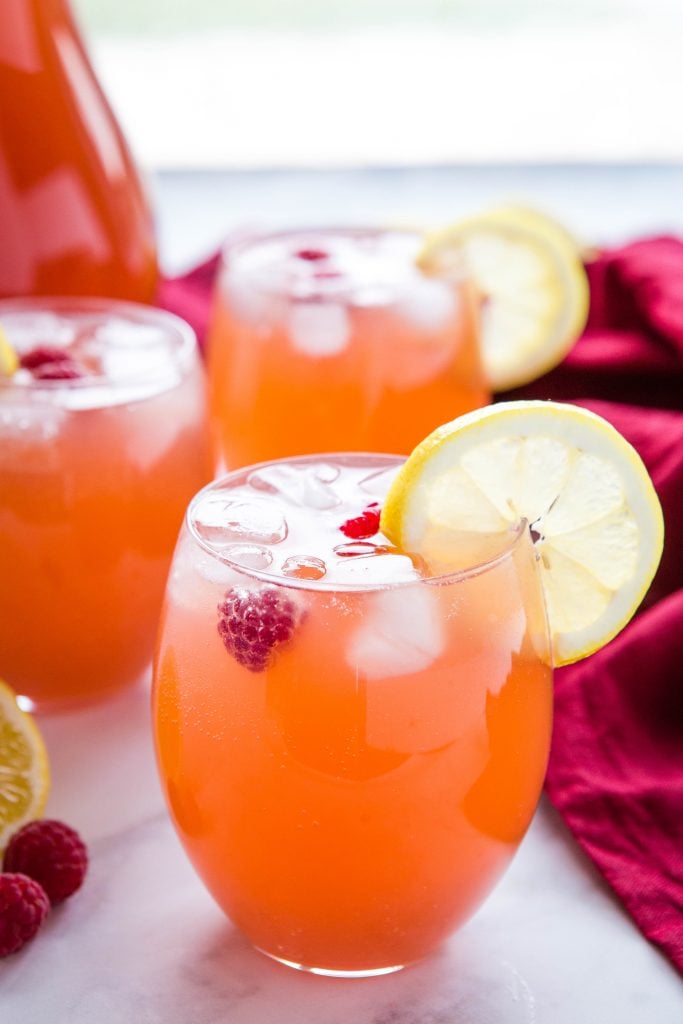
[[342, 83]]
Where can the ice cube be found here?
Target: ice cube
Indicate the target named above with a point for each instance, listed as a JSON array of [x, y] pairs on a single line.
[[326, 472], [319, 328], [301, 485], [378, 483], [304, 567], [402, 632], [376, 571], [221, 522], [429, 305], [316, 493], [26, 332], [251, 556], [248, 301], [273, 479]]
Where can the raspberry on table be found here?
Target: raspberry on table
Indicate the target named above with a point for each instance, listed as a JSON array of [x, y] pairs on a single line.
[[23, 908], [51, 853], [365, 525], [252, 623]]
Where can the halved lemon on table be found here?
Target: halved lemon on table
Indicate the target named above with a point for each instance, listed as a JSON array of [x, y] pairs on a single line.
[[578, 484], [529, 273], [24, 771]]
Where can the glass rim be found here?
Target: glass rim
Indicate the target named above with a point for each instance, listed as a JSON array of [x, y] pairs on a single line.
[[246, 240], [182, 356], [514, 536]]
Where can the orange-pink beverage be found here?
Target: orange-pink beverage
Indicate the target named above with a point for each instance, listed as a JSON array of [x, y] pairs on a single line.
[[351, 749], [334, 340], [95, 473]]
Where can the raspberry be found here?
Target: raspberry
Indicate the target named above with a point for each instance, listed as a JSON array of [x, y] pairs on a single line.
[[312, 255], [23, 908], [62, 369], [251, 623], [43, 354], [51, 853], [363, 526], [48, 362]]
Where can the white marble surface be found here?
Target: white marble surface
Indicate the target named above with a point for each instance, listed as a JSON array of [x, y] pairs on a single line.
[[143, 943]]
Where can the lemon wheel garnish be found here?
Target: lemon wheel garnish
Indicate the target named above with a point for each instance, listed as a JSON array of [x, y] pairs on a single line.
[[9, 360], [571, 476], [24, 771], [534, 289]]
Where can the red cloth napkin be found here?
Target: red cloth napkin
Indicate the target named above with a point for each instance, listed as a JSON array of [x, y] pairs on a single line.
[[616, 766]]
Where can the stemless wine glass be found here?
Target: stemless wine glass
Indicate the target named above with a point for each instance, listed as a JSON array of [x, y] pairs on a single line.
[[351, 749], [95, 474], [335, 340]]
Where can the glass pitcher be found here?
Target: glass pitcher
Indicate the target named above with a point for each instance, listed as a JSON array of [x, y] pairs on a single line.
[[74, 215]]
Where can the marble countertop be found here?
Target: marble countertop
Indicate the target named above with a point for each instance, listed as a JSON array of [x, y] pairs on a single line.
[[143, 942]]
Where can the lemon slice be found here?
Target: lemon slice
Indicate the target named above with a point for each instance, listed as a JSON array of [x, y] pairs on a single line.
[[582, 488], [9, 360], [529, 273], [24, 770]]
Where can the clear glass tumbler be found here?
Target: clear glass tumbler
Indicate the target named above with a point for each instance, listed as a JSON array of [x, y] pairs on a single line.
[[335, 340], [351, 749], [95, 475]]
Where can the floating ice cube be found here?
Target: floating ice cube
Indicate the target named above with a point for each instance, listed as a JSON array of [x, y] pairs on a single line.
[[26, 332], [378, 483], [315, 493], [307, 486], [250, 302], [326, 472], [428, 304], [319, 328], [374, 571], [220, 522], [402, 632], [304, 567], [251, 556], [273, 479]]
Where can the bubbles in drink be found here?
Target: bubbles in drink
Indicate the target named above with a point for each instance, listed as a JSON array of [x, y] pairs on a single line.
[[25, 421], [221, 522], [304, 567]]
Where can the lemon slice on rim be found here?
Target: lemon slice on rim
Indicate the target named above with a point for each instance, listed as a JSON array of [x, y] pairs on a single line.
[[582, 488], [9, 360], [535, 295], [24, 770]]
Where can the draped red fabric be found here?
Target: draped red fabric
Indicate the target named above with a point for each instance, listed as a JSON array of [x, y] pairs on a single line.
[[616, 766]]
